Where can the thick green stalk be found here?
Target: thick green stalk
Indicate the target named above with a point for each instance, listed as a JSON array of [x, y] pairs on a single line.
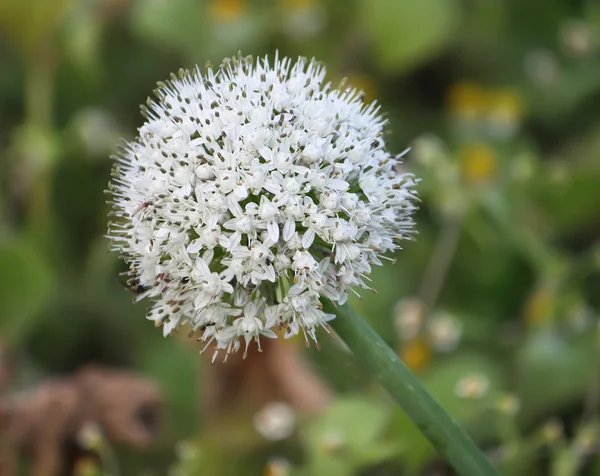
[[374, 354]]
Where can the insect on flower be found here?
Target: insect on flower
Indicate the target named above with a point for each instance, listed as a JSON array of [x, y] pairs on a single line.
[[133, 282], [270, 190], [135, 287], [143, 206]]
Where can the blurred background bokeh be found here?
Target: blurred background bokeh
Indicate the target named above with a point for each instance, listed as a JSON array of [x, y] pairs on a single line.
[[495, 305]]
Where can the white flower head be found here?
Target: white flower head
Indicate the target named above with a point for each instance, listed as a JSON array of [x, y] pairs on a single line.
[[275, 421], [252, 192]]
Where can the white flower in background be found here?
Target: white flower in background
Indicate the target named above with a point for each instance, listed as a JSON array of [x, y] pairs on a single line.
[[430, 151], [445, 331], [552, 431], [473, 386], [333, 441], [304, 21], [96, 129], [542, 67], [186, 451], [577, 38], [90, 436], [509, 405], [409, 314], [250, 193], [586, 440], [275, 421]]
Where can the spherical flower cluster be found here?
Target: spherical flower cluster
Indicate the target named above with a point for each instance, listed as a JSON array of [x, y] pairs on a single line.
[[251, 193]]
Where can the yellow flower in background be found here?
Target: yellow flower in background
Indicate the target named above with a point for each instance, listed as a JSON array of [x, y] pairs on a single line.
[[479, 164], [87, 466], [278, 467], [467, 100], [227, 10], [416, 354], [506, 104], [297, 4], [30, 26], [540, 305], [502, 109], [505, 112]]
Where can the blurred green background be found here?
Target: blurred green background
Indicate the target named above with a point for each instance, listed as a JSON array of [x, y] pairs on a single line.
[[496, 303]]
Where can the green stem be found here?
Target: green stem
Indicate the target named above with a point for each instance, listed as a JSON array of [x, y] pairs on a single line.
[[39, 83], [374, 354], [438, 267], [110, 464], [39, 108]]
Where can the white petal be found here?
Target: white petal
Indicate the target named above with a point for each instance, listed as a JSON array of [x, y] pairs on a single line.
[[194, 246], [273, 229], [338, 184], [234, 207], [288, 229], [308, 238]]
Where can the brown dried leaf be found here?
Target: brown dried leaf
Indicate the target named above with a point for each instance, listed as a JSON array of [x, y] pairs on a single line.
[[43, 425]]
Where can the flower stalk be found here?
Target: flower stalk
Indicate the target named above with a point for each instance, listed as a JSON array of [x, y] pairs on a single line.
[[377, 357]]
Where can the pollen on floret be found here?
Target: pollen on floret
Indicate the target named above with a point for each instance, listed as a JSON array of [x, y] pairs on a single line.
[[252, 192]]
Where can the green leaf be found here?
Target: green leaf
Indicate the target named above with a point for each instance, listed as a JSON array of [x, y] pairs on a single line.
[[405, 33], [175, 367], [417, 451], [188, 27], [177, 24], [565, 463], [82, 40], [571, 201], [442, 379], [562, 368], [359, 421], [577, 85], [345, 437], [25, 282]]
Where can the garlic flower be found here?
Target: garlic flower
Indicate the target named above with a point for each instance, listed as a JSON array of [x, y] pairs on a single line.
[[252, 192]]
